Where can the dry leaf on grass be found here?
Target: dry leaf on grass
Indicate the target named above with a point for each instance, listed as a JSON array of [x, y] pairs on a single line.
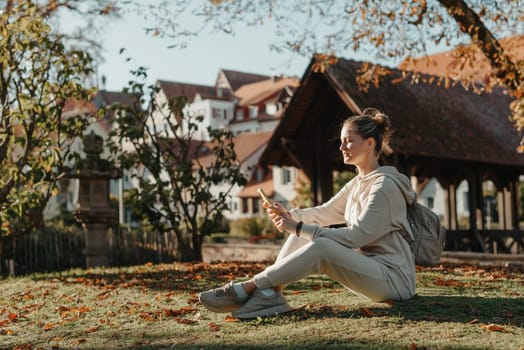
[[494, 328], [7, 331], [213, 327], [79, 341], [49, 326], [184, 320], [370, 313], [230, 318], [92, 329]]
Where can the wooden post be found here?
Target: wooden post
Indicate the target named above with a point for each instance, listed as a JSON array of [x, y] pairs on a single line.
[[451, 201], [508, 208]]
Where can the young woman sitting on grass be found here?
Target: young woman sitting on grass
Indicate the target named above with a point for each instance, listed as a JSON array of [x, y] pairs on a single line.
[[368, 256]]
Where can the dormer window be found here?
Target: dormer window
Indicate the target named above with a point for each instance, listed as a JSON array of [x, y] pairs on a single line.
[[271, 108], [253, 111], [240, 114], [259, 175]]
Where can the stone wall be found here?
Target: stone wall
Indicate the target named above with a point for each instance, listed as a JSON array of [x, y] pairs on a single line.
[[214, 252]]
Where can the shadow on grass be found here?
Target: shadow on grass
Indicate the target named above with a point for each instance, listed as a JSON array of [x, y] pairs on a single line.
[[508, 311], [462, 309], [195, 277], [324, 343], [189, 277]]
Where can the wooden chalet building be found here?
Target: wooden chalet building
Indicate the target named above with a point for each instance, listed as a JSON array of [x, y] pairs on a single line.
[[450, 134]]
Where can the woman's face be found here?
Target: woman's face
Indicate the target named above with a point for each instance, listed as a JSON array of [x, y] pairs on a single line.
[[354, 148]]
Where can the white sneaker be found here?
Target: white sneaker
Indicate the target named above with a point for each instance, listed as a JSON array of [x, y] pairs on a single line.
[[222, 299], [263, 303]]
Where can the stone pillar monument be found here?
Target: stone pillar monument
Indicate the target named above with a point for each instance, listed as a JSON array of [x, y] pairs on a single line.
[[93, 209]]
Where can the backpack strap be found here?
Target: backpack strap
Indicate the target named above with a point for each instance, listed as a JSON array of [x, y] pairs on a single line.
[[404, 233]]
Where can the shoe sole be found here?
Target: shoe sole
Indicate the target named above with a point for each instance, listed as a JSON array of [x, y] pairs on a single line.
[[222, 309], [279, 309]]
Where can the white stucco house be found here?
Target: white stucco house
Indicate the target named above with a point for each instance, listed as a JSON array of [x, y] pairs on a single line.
[[249, 105]]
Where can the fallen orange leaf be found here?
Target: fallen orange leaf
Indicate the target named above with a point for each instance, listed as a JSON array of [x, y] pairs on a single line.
[[213, 326], [79, 341], [184, 320], [494, 328], [370, 313], [230, 318], [49, 326], [193, 299], [10, 332], [181, 311], [366, 311], [146, 316], [92, 329], [104, 295]]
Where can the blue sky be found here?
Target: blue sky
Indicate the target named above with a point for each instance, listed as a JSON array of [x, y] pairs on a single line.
[[248, 50], [199, 63]]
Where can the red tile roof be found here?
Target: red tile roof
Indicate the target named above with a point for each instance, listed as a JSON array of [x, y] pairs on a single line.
[[250, 191], [246, 144], [265, 90]]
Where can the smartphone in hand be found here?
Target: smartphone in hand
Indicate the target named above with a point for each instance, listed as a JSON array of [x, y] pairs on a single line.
[[264, 196]]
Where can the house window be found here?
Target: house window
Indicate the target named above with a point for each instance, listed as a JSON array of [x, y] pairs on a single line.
[[260, 175], [253, 111], [286, 176], [256, 205], [219, 113], [271, 108], [245, 205], [240, 114], [431, 203]]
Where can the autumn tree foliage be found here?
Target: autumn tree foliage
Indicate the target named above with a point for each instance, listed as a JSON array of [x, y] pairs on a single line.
[[182, 184], [388, 32], [39, 78]]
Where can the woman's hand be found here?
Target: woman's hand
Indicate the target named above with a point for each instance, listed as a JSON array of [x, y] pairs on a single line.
[[281, 217]]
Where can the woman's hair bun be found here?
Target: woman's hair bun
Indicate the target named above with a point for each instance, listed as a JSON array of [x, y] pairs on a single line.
[[379, 117]]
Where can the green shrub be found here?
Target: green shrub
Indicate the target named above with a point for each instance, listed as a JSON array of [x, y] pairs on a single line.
[[253, 226]]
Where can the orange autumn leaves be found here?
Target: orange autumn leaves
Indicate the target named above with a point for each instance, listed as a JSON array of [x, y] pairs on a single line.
[[102, 302]]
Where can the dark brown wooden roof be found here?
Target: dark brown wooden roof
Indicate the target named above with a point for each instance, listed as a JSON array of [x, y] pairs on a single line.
[[106, 98], [175, 89], [447, 125], [237, 79]]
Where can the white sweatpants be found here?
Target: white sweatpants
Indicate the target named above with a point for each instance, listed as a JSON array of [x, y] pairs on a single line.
[[299, 258]]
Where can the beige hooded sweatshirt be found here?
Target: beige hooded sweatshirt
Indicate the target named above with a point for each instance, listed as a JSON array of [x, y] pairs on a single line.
[[373, 208]]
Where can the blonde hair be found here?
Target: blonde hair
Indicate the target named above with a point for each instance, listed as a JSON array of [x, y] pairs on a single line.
[[371, 123]]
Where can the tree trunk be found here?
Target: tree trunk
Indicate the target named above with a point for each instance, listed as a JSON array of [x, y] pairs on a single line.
[[3, 272], [470, 23], [183, 248], [197, 246]]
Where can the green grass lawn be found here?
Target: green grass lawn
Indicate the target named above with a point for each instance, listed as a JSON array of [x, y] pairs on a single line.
[[155, 307]]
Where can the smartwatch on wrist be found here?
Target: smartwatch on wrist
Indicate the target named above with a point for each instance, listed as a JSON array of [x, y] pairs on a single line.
[[299, 227]]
